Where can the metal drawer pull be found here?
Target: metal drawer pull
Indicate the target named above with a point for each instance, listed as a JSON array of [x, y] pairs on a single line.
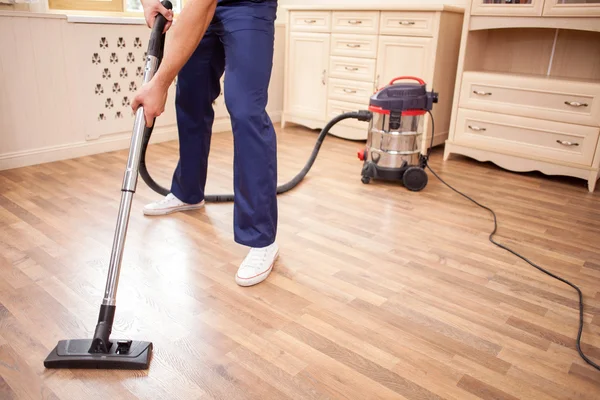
[[476, 128], [352, 68], [575, 104], [406, 22], [566, 143], [349, 90], [310, 21], [355, 22], [353, 45], [481, 93]]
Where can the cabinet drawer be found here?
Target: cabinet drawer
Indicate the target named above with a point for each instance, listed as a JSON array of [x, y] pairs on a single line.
[[336, 107], [310, 21], [527, 137], [351, 91], [553, 99], [354, 45], [366, 22], [360, 69], [407, 23]]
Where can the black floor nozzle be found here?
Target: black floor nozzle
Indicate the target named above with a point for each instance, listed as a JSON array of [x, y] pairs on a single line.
[[100, 352], [122, 354]]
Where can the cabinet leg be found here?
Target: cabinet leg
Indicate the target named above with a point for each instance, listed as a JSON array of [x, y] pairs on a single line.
[[592, 180], [447, 153]]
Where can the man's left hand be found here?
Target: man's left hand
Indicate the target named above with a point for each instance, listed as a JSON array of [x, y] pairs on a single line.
[[152, 96]]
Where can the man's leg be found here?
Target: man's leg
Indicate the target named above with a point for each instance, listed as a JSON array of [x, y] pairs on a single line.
[[248, 39], [197, 87]]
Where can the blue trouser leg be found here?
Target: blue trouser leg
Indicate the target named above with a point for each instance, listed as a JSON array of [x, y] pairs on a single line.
[[248, 39], [197, 87]]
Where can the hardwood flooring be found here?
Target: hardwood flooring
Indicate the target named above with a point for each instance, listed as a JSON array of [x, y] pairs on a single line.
[[379, 293]]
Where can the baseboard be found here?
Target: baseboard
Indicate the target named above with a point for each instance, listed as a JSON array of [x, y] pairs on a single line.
[[112, 143], [79, 149]]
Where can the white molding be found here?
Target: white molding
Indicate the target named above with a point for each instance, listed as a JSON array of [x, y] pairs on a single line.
[[112, 143], [78, 149]]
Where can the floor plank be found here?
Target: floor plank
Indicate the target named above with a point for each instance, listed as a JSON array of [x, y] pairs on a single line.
[[378, 292]]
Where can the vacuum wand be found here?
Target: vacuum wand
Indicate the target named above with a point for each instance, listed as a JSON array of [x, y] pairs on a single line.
[[99, 352]]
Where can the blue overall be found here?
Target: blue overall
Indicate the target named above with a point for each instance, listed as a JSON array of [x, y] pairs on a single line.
[[239, 42]]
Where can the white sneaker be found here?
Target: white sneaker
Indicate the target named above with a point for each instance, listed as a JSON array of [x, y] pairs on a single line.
[[257, 265], [168, 205]]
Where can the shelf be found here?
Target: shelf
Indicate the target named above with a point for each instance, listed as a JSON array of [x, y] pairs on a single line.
[[535, 51]]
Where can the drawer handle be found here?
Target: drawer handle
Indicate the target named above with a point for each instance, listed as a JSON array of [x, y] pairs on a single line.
[[353, 45], [349, 90], [481, 93], [476, 128], [406, 22], [355, 22], [575, 104], [310, 21], [323, 77], [566, 143], [352, 68]]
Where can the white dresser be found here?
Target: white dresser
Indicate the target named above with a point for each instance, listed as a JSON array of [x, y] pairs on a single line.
[[528, 87], [336, 58]]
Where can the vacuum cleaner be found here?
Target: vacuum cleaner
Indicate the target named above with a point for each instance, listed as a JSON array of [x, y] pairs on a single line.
[[101, 351], [393, 150]]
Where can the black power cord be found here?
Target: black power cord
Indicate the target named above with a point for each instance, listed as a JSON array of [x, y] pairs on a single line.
[[491, 238]]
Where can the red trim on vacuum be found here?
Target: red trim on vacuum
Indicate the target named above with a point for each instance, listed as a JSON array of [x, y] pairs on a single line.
[[412, 113], [379, 110]]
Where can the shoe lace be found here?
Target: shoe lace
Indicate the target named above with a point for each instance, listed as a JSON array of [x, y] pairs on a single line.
[[255, 258], [166, 199]]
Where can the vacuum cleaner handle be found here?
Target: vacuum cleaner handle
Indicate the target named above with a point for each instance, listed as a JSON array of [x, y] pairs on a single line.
[[157, 37]]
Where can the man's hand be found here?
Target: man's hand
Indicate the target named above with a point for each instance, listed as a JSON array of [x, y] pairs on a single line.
[[152, 96], [152, 8]]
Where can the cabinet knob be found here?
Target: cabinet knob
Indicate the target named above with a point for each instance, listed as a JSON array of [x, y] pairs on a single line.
[[476, 128], [567, 143], [575, 104], [482, 93], [406, 22]]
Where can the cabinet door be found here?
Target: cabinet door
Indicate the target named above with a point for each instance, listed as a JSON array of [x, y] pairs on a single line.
[[507, 7], [403, 56], [572, 8], [307, 74]]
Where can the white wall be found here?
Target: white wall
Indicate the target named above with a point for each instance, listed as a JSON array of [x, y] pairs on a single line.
[[49, 108]]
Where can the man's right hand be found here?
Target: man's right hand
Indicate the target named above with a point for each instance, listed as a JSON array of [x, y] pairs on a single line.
[[152, 8]]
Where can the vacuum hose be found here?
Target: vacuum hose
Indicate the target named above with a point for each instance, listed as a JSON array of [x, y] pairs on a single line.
[[362, 115]]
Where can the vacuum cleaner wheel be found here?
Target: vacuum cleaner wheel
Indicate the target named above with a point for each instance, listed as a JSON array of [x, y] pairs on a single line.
[[415, 179]]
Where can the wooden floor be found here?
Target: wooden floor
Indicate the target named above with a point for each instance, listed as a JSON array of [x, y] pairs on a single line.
[[379, 293]]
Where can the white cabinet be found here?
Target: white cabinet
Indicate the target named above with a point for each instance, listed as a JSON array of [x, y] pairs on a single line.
[[337, 58], [309, 60], [404, 56], [528, 94]]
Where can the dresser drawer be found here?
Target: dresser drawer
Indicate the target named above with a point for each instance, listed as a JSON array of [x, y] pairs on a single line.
[[553, 99], [365, 22], [360, 69], [351, 91], [407, 23], [354, 45], [310, 21], [527, 137]]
